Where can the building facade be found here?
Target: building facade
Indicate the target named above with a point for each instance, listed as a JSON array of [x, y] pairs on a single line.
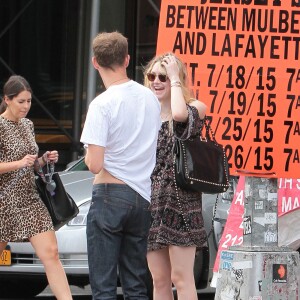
[[49, 43]]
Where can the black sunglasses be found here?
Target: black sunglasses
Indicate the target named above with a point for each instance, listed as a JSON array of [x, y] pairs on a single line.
[[161, 77]]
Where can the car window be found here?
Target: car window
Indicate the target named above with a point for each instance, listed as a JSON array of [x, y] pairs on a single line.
[[78, 166]]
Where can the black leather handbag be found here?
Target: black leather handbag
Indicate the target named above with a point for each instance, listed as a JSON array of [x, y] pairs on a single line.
[[61, 206], [200, 163]]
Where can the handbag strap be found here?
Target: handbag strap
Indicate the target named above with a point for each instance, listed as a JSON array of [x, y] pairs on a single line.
[[50, 171], [47, 178], [209, 134], [209, 131], [178, 201]]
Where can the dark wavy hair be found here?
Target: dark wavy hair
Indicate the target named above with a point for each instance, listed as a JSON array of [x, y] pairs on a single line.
[[12, 88]]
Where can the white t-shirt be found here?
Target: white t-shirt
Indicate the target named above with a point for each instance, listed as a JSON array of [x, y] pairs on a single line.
[[125, 119]]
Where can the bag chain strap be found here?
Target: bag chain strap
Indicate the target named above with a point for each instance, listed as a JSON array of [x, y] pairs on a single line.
[[178, 201], [213, 217]]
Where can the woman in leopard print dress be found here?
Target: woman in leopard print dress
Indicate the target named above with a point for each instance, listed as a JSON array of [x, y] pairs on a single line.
[[23, 215], [176, 231]]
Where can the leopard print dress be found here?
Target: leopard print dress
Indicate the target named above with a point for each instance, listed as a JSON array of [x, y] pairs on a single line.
[[22, 212]]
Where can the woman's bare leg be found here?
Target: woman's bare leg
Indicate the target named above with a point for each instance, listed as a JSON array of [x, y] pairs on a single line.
[[2, 246], [45, 246], [182, 266], [160, 268]]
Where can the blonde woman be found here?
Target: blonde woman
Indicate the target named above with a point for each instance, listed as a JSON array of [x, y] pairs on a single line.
[[172, 242]]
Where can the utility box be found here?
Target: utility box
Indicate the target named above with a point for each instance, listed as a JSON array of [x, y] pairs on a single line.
[[258, 275], [259, 270]]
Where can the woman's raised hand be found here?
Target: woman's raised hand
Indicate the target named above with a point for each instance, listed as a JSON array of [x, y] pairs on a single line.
[[170, 64], [51, 156]]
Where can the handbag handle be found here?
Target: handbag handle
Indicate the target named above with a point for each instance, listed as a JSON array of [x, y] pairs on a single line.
[[209, 133], [47, 178]]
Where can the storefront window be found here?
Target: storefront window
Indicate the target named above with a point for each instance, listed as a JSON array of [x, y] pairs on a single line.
[[147, 30], [38, 41]]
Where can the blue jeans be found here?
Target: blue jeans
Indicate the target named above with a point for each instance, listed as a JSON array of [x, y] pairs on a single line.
[[117, 229]]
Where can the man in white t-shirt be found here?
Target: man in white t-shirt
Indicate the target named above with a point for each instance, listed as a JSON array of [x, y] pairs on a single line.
[[120, 136]]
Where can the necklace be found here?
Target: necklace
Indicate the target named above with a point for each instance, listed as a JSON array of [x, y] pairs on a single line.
[[165, 117], [117, 81]]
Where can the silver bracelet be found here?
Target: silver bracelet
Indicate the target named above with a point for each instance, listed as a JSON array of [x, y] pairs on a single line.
[[175, 83], [43, 159]]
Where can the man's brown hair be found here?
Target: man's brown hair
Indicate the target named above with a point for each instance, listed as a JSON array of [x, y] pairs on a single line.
[[110, 49]]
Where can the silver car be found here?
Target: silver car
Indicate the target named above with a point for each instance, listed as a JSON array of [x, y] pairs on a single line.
[[25, 276]]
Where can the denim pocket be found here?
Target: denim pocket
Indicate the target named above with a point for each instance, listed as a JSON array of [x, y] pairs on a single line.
[[118, 202]]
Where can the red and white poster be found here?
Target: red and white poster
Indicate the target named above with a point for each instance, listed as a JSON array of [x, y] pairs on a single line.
[[233, 231], [288, 213]]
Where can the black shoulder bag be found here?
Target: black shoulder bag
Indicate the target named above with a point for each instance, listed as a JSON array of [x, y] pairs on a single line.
[[61, 206], [200, 163]]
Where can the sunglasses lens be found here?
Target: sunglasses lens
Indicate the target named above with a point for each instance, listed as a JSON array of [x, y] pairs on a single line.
[[162, 78], [151, 77]]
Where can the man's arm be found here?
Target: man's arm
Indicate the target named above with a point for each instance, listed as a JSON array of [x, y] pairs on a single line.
[[94, 158]]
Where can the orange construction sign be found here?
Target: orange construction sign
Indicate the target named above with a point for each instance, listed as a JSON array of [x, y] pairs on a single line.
[[243, 62]]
